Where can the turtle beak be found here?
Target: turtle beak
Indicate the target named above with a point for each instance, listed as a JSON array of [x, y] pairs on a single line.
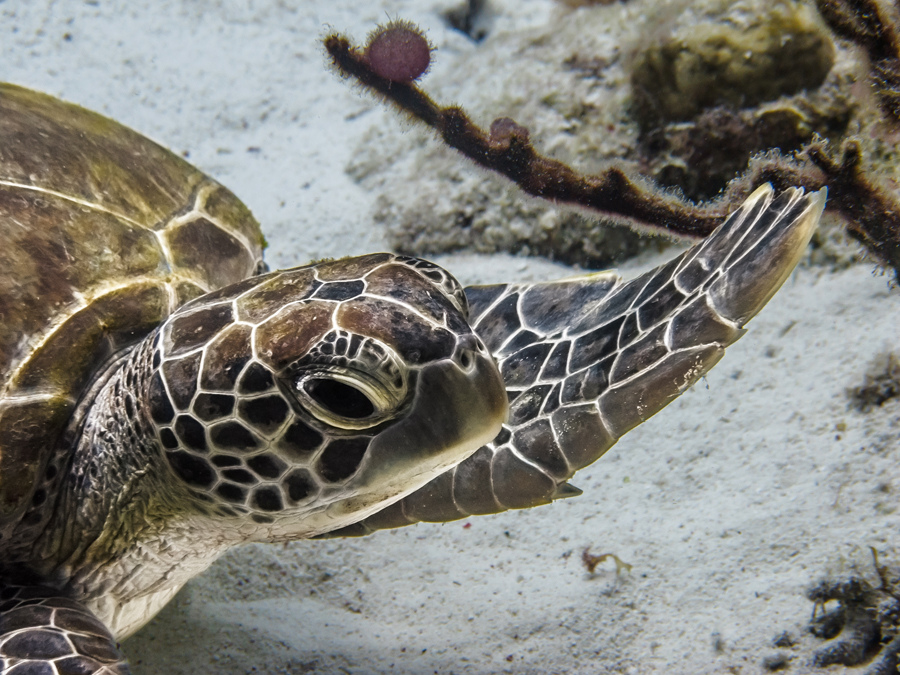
[[459, 406]]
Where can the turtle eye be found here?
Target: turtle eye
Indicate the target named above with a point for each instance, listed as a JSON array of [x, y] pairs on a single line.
[[343, 400]]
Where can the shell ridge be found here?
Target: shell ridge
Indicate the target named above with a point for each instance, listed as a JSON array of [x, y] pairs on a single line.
[[75, 200]]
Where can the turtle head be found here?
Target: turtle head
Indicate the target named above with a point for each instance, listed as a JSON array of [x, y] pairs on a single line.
[[313, 397]]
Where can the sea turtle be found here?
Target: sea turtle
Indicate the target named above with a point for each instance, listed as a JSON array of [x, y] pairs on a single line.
[[164, 397]]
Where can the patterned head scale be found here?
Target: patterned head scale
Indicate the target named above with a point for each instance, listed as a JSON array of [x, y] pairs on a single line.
[[323, 391]]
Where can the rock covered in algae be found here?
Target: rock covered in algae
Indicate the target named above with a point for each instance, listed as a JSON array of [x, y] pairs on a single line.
[[749, 53], [569, 82], [563, 80], [702, 155]]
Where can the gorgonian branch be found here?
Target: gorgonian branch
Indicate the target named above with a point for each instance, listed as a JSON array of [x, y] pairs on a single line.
[[872, 215], [506, 149], [873, 27]]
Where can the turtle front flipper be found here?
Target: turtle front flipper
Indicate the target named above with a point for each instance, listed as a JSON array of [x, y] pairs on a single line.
[[587, 359], [44, 632]]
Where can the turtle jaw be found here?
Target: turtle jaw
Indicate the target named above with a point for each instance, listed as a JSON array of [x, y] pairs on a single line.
[[455, 411]]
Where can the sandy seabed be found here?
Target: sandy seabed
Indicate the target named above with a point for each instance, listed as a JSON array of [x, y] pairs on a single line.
[[728, 504]]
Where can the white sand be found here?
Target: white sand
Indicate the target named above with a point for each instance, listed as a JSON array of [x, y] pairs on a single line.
[[728, 504]]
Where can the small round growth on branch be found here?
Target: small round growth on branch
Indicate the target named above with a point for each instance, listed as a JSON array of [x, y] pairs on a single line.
[[504, 131], [398, 51]]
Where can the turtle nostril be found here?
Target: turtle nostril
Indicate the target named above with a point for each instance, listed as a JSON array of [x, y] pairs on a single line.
[[466, 358], [467, 350]]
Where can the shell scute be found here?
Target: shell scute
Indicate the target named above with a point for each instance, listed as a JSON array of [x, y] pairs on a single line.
[[103, 234], [224, 207], [191, 243], [186, 291], [90, 336]]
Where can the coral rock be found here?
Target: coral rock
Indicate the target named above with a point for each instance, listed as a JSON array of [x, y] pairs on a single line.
[[740, 58]]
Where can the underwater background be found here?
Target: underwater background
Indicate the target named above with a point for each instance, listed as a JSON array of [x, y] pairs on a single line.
[[777, 474]]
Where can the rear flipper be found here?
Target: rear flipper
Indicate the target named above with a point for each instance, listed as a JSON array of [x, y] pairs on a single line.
[[43, 632], [589, 358]]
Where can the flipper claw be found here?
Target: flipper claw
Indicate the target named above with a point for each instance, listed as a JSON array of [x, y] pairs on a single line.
[[566, 490]]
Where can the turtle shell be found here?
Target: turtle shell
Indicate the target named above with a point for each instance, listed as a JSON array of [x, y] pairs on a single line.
[[103, 234]]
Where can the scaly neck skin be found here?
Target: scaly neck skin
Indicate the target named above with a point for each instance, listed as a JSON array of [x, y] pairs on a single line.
[[123, 535]]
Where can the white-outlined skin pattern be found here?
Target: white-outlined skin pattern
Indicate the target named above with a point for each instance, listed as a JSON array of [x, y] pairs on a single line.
[[161, 400], [245, 379], [589, 358]]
